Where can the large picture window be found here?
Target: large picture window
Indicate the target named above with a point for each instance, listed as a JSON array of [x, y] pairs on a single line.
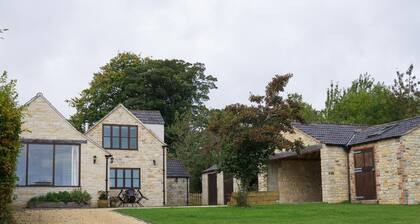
[[119, 137], [124, 178], [48, 165]]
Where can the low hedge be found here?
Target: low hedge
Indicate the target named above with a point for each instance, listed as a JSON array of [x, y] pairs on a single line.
[[78, 196]]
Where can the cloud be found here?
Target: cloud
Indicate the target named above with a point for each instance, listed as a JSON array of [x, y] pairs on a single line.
[[56, 46]]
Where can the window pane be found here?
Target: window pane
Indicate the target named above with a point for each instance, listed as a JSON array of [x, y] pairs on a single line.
[[112, 173], [112, 182], [120, 173], [107, 142], [21, 166], [40, 166], [136, 183], [66, 165], [107, 130], [124, 143], [136, 173], [128, 173], [124, 131], [115, 142], [119, 182], [127, 183], [115, 131], [133, 143], [133, 132]]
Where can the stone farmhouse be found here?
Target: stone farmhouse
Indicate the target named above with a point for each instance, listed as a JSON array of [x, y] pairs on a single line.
[[125, 149], [361, 164]]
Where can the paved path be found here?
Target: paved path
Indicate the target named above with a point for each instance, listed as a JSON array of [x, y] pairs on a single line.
[[73, 216]]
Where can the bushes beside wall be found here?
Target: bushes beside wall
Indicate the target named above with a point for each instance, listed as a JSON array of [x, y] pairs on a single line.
[[10, 128], [79, 197]]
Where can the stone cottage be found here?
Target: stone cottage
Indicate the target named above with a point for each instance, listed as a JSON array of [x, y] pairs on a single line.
[[125, 149], [371, 164]]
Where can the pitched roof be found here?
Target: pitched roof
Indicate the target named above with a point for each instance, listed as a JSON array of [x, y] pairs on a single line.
[[148, 116], [175, 168], [336, 134], [292, 154], [385, 131], [333, 134], [210, 169]]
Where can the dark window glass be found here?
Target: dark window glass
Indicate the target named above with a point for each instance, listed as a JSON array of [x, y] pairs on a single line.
[[40, 164], [124, 178], [21, 166], [119, 137], [66, 165]]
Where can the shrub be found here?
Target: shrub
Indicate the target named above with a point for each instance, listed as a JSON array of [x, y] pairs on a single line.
[[10, 129], [78, 196], [102, 195]]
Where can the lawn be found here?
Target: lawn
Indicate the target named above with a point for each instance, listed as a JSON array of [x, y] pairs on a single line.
[[302, 213]]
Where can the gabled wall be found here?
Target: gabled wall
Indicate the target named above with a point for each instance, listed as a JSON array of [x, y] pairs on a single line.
[[42, 121], [149, 150]]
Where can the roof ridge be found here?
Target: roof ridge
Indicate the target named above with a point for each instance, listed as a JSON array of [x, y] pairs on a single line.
[[396, 121], [355, 125]]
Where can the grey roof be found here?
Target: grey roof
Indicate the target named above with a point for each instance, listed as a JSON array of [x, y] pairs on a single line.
[[175, 168], [148, 116], [384, 131], [210, 169], [307, 150], [336, 134], [332, 134]]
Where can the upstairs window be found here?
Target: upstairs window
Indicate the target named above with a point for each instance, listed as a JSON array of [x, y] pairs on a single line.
[[119, 136]]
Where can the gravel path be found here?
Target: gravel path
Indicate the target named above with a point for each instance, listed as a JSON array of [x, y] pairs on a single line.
[[73, 216]]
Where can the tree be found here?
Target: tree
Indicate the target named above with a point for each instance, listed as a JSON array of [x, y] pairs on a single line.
[[406, 93], [193, 144], [170, 86], [249, 134], [307, 112], [364, 102], [10, 129]]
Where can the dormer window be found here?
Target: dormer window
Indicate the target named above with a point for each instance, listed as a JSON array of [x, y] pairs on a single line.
[[119, 136]]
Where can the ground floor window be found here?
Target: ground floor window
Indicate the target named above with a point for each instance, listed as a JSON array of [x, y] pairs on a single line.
[[48, 165], [124, 178]]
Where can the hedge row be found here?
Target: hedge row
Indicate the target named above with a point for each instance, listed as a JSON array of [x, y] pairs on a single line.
[[10, 128]]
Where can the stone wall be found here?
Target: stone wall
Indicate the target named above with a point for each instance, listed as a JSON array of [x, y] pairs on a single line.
[[299, 181], [334, 172], [397, 169], [43, 121], [177, 191], [204, 189], [149, 151], [220, 188]]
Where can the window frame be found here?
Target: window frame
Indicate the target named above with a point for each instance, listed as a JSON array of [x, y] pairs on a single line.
[[53, 167], [124, 178], [111, 136]]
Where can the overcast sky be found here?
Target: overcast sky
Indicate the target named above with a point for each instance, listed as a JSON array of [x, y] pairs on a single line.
[[54, 46]]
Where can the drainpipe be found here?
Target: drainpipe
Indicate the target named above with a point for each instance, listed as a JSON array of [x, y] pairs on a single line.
[[163, 175], [188, 191], [106, 174], [348, 172]]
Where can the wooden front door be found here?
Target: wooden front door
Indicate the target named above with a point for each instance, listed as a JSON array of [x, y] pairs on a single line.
[[364, 171], [212, 188]]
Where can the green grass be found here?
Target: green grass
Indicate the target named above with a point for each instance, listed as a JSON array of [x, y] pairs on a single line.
[[296, 214]]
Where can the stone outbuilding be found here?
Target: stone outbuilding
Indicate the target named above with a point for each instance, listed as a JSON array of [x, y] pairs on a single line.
[[178, 183], [372, 164], [217, 188]]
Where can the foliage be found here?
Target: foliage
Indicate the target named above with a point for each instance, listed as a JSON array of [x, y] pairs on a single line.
[[307, 112], [102, 195], [10, 128], [170, 86], [310, 213], [406, 94], [249, 134], [78, 196], [193, 143]]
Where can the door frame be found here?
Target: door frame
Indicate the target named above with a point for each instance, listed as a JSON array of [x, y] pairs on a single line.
[[363, 150]]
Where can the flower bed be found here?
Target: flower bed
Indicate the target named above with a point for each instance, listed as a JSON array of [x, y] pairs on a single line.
[[62, 199]]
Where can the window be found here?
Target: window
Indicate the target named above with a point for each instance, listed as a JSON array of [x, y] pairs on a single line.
[[119, 137], [48, 165], [124, 178]]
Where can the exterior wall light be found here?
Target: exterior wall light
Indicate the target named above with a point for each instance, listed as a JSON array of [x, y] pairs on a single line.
[[111, 159], [154, 162], [94, 159]]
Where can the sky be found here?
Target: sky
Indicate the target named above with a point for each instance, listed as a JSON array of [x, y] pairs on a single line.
[[54, 47]]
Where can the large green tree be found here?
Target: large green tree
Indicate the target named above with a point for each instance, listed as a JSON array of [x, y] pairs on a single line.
[[249, 134], [170, 86], [10, 128]]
